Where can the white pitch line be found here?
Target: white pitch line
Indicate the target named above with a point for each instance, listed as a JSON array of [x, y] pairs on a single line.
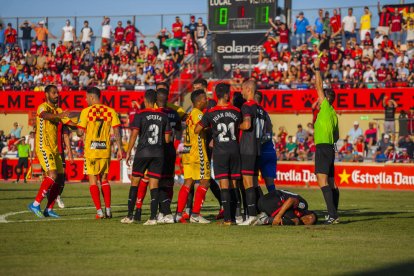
[[3, 218]]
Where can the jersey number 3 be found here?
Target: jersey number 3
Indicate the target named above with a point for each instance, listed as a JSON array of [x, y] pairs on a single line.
[[154, 130]]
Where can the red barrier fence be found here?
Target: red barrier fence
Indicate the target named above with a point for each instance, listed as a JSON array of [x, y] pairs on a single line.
[[350, 175], [74, 171], [274, 101]]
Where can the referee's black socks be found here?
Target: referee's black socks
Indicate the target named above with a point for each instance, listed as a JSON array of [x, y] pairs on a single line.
[[335, 193], [329, 200], [132, 199]]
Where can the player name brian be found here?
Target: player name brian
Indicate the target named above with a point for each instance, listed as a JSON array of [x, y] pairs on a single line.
[[225, 114], [154, 117]]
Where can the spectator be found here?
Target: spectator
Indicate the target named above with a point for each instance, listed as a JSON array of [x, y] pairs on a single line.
[[16, 131], [345, 152], [274, 26], [336, 27], [26, 36], [291, 149], [319, 22], [130, 33], [389, 106], [177, 28], [349, 25], [405, 142], [404, 157], [301, 134], [384, 20], [411, 121], [369, 74], [370, 136], [201, 32], [409, 27], [365, 23], [119, 33], [377, 40], [396, 25], [86, 34], [403, 124], [68, 34], [300, 28], [11, 35], [379, 59], [354, 133], [327, 24], [383, 145], [359, 149], [2, 39], [192, 26], [106, 31], [163, 35], [283, 37]]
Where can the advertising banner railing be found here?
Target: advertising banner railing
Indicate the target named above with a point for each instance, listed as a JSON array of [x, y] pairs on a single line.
[[350, 175], [274, 101]]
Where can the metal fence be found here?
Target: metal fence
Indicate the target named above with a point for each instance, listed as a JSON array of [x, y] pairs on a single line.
[[149, 25]]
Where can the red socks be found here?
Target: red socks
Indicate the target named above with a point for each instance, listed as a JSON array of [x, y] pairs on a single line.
[[106, 192], [182, 198], [142, 191], [44, 187], [53, 194], [96, 197], [199, 197]]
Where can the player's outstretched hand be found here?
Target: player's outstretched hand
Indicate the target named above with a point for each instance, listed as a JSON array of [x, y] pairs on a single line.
[[64, 114]]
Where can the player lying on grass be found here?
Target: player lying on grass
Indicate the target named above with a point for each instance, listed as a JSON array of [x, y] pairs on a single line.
[[284, 208]]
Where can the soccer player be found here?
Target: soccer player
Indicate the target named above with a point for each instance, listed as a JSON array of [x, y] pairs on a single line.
[[267, 159], [48, 118], [23, 151], [214, 187], [224, 121], [166, 182], [152, 126], [284, 208], [250, 144], [195, 161], [326, 135], [96, 122]]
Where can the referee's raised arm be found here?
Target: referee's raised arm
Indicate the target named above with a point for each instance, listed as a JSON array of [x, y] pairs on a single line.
[[318, 80]]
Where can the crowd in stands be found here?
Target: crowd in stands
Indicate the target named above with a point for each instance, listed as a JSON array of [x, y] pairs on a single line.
[[376, 56], [31, 62]]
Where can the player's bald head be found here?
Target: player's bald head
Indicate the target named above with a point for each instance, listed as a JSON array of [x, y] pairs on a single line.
[[248, 89]]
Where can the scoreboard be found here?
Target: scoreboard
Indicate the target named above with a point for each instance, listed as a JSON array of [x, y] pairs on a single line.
[[238, 15]]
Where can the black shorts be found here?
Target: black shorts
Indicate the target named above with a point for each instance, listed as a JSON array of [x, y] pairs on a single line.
[[23, 162], [168, 170], [324, 159], [151, 166], [226, 166], [249, 164], [270, 204]]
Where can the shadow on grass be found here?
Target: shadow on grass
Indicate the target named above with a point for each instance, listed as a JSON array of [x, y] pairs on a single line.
[[406, 268]]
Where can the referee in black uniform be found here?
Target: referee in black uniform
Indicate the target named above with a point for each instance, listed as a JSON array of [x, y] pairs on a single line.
[[326, 135]]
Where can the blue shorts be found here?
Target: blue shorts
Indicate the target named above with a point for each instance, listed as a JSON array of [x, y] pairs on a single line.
[[267, 164]]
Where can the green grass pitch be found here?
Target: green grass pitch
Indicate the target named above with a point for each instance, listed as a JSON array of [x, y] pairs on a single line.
[[376, 237]]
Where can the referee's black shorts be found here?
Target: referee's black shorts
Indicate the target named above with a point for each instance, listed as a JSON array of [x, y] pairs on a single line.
[[324, 159], [23, 162]]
